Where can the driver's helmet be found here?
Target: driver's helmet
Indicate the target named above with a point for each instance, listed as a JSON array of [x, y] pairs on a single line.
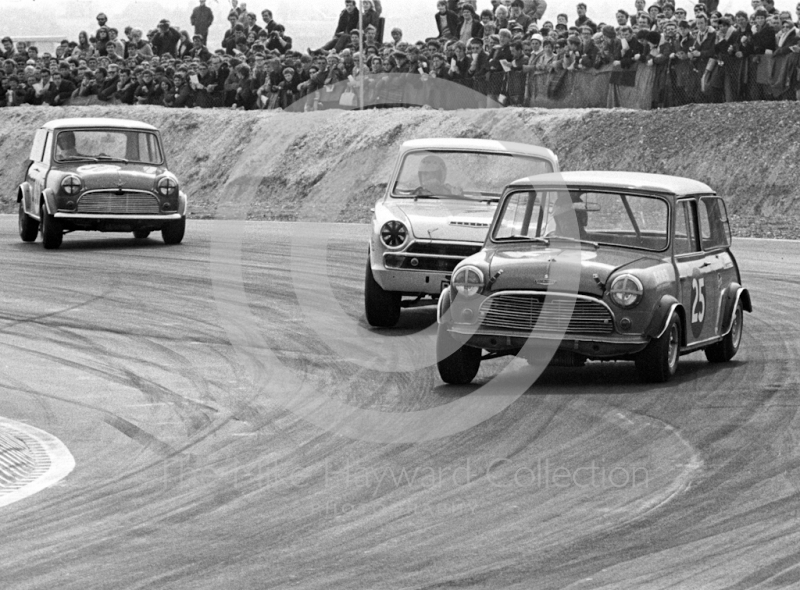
[[432, 164]]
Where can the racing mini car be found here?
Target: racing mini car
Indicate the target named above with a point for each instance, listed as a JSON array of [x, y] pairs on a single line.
[[597, 266], [436, 212], [107, 175]]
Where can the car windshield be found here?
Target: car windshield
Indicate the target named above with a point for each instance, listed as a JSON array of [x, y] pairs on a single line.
[[463, 174], [611, 218], [96, 145]]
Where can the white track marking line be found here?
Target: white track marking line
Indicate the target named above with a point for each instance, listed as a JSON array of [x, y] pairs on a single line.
[[54, 461]]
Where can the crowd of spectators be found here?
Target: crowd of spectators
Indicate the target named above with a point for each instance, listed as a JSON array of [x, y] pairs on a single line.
[[494, 54]]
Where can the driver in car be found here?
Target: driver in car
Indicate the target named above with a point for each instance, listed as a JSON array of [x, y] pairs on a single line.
[[567, 218], [432, 174], [66, 146]]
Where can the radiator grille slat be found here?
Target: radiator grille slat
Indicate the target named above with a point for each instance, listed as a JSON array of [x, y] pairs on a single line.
[[523, 311], [124, 204]]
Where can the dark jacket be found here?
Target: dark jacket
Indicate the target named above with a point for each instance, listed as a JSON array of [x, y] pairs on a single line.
[[201, 19], [452, 23], [127, 93], [347, 22], [763, 40], [57, 95], [166, 41]]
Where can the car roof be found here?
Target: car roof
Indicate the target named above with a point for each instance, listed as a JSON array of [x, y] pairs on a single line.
[[488, 145], [78, 123], [661, 183]]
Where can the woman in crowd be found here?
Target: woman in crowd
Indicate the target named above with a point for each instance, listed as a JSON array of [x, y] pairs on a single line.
[[101, 41], [184, 46], [83, 47]]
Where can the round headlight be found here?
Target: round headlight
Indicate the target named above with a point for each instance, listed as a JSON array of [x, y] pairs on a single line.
[[393, 234], [626, 291], [71, 184], [167, 186], [468, 281]]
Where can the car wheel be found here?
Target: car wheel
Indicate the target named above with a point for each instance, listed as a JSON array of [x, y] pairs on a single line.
[[382, 307], [457, 363], [140, 234], [658, 362], [726, 349], [52, 232], [28, 226], [173, 232]]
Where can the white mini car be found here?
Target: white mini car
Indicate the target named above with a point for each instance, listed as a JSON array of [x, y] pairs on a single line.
[[436, 212]]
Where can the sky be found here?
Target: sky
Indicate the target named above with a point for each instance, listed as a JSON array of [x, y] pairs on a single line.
[[310, 23]]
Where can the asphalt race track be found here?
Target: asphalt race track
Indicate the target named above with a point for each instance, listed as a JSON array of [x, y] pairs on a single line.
[[191, 472]]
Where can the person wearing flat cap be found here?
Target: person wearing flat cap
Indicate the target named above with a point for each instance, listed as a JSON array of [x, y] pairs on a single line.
[[201, 19]]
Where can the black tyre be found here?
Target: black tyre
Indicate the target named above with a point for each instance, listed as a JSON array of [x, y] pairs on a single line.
[[140, 234], [658, 362], [52, 232], [173, 232], [382, 307], [726, 349], [28, 226], [458, 364]]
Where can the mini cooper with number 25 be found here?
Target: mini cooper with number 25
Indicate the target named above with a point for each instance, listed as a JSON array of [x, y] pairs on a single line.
[[597, 266], [107, 175]]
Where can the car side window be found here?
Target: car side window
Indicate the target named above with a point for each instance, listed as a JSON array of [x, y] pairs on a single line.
[[714, 228], [37, 149], [685, 239]]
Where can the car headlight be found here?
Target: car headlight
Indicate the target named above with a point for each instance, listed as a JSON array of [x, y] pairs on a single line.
[[468, 281], [71, 184], [167, 186], [393, 234], [626, 291]]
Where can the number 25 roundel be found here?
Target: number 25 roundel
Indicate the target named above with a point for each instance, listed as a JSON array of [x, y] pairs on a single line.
[[698, 305]]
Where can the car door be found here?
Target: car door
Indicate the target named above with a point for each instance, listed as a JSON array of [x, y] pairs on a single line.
[[715, 238], [697, 274], [37, 170]]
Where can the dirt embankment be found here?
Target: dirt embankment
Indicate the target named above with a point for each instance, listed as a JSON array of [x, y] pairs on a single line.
[[332, 165]]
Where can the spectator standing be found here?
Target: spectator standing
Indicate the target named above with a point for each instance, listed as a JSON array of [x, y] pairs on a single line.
[[470, 26], [269, 24], [201, 19], [517, 15], [584, 20], [199, 50], [166, 38], [535, 9], [184, 46]]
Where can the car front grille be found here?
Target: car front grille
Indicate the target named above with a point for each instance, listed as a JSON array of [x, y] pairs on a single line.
[[439, 257], [114, 204], [522, 312]]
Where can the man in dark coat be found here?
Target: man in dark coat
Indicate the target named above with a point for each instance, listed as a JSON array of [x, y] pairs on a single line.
[[446, 21], [201, 20], [166, 39], [61, 90]]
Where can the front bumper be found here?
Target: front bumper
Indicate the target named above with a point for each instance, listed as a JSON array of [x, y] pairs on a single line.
[[421, 267], [121, 218], [591, 346]]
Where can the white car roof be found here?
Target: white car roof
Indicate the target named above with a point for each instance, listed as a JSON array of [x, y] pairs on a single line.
[[88, 123], [487, 145], [661, 183]]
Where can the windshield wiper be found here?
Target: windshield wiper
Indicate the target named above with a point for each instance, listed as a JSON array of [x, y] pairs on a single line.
[[576, 240], [112, 159], [74, 158], [544, 241]]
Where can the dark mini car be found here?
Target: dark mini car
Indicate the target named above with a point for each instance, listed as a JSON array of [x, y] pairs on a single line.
[[107, 175], [597, 266]]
